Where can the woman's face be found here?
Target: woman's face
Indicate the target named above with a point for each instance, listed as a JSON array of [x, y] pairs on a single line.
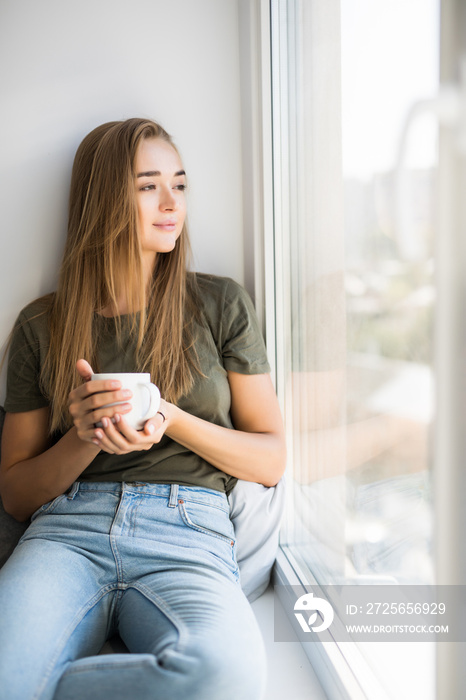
[[160, 183]]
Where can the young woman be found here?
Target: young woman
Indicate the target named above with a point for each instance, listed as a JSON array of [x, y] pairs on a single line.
[[130, 529]]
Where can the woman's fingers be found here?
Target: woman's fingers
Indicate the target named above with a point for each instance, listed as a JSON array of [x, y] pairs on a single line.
[[99, 438], [114, 441], [99, 391], [86, 400], [90, 403], [150, 434], [98, 409], [154, 424], [121, 438], [88, 424], [95, 417], [84, 370], [103, 440]]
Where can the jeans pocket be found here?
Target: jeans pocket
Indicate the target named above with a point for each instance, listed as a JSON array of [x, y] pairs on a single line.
[[215, 533], [208, 520], [48, 507]]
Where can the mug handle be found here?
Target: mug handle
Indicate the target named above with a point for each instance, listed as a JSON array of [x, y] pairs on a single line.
[[154, 400]]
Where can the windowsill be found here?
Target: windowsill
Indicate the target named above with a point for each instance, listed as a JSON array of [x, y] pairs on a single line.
[[290, 674], [341, 670]]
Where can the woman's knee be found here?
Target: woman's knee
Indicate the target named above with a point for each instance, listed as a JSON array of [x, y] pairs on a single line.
[[217, 668]]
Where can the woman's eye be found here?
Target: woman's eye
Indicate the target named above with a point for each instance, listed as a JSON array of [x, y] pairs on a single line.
[[146, 188], [181, 188]]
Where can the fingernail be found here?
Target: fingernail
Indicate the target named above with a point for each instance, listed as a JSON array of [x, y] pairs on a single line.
[[150, 428], [99, 436], [117, 418], [115, 384], [105, 422]]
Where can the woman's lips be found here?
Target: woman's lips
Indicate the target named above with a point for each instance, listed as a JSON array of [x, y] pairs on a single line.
[[166, 226]]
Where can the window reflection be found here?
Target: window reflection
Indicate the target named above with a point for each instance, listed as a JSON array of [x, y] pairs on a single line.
[[359, 394], [356, 353]]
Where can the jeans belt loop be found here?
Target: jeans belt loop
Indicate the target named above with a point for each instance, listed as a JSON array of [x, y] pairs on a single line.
[[173, 501], [73, 491]]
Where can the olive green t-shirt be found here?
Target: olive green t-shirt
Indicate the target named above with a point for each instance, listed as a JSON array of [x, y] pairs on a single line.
[[227, 339]]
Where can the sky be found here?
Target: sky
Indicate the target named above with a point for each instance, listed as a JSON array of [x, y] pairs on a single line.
[[390, 56]]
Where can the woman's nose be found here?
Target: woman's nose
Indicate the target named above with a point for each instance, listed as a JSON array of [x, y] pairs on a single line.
[[167, 200]]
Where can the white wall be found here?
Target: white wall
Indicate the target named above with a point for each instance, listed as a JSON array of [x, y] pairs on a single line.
[[66, 67]]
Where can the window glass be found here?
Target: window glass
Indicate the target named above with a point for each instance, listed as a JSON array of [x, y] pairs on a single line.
[[355, 299]]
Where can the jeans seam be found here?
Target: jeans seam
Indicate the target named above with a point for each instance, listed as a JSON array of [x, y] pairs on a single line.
[[133, 521], [161, 604], [103, 662], [188, 499], [113, 541], [208, 503], [80, 615]]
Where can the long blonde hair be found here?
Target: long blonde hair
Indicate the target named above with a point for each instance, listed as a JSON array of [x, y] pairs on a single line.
[[103, 253]]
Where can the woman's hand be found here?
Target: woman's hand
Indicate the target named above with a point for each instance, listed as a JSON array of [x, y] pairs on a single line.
[[120, 438], [88, 403]]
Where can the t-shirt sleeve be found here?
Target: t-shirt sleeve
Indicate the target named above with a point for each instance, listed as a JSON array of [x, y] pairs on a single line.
[[243, 347], [23, 387]]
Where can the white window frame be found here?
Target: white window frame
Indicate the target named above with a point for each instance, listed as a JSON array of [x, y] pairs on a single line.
[[339, 673], [343, 672]]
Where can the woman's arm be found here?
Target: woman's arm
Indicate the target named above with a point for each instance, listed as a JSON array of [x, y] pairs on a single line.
[[32, 472], [254, 451]]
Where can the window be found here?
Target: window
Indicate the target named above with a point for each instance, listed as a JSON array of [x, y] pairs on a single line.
[[354, 300]]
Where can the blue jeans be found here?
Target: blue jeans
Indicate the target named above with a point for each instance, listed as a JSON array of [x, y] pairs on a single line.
[[153, 562]]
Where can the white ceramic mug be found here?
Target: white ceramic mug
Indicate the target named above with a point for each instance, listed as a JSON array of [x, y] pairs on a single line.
[[145, 401]]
